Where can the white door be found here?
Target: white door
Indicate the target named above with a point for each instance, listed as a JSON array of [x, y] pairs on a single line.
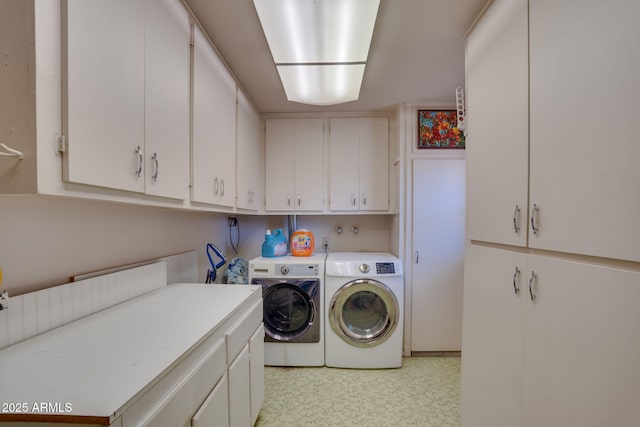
[[250, 160], [438, 246], [374, 164], [309, 165], [497, 65], [344, 155], [279, 140], [584, 134], [493, 337], [167, 75], [256, 371], [582, 345], [215, 409], [240, 390], [104, 114], [214, 127]]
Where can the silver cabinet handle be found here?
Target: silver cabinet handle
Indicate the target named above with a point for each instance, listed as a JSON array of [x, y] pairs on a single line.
[[221, 187], [216, 185], [534, 226], [417, 257], [155, 172], [299, 199], [288, 199], [140, 161], [516, 219], [353, 199], [364, 199], [516, 274], [532, 293]]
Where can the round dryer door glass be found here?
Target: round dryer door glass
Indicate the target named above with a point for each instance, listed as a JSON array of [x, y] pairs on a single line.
[[288, 311], [364, 312]]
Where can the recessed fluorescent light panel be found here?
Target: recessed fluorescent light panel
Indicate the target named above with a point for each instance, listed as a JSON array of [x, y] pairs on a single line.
[[320, 47]]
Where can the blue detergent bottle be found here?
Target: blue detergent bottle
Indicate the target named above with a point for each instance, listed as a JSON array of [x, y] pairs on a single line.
[[275, 244]]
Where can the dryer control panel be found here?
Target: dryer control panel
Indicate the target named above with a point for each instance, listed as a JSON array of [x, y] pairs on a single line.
[[297, 270], [385, 268]]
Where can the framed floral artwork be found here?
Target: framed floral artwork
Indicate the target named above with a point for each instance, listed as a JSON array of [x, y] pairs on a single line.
[[438, 129]]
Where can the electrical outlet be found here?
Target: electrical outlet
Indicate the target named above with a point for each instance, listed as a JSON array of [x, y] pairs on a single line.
[[325, 243], [232, 221]]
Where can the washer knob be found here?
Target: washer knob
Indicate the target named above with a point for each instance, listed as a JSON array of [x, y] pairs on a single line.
[[364, 268], [284, 269]]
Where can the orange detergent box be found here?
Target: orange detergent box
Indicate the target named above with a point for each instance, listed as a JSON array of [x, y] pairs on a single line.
[[302, 243]]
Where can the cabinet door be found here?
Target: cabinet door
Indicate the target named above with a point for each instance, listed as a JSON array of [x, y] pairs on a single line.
[[167, 76], [438, 245], [250, 156], [583, 345], [256, 370], [309, 165], [214, 127], [497, 141], [493, 338], [344, 154], [104, 100], [279, 154], [584, 169], [374, 164], [240, 390], [215, 409]]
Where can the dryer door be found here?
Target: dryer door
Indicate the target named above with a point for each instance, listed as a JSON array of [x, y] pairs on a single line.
[[364, 312], [290, 310]]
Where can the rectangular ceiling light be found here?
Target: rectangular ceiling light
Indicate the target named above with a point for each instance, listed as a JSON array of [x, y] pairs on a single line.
[[322, 84], [314, 34]]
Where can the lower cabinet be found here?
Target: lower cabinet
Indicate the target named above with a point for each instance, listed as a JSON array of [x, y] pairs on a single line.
[[256, 371], [215, 409], [240, 390], [548, 341]]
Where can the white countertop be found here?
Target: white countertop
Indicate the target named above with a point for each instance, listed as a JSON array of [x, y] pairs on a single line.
[[98, 363]]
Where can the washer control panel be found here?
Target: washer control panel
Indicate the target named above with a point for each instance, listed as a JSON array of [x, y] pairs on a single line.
[[298, 270], [385, 268], [364, 268]]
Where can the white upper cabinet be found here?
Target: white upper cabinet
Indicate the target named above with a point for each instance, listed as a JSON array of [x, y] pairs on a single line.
[[214, 127], [250, 165], [167, 75], [359, 164], [104, 81], [498, 132], [127, 96], [294, 164], [585, 148], [541, 165]]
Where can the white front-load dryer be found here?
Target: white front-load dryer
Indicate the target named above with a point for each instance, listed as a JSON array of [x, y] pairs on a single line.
[[293, 306], [364, 300]]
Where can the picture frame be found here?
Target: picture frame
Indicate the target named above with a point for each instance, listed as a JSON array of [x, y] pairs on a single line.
[[437, 129]]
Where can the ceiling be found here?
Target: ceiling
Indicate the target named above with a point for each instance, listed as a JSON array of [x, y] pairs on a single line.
[[416, 55]]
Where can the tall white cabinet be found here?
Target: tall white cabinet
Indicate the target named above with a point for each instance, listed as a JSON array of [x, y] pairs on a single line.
[[359, 164], [551, 335]]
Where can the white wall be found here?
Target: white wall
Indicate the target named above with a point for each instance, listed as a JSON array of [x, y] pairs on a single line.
[[374, 232], [45, 240]]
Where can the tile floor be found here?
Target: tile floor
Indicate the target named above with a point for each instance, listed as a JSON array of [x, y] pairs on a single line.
[[425, 392]]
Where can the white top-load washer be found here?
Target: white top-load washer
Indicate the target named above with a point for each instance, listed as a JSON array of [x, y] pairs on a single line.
[[364, 300], [293, 306]]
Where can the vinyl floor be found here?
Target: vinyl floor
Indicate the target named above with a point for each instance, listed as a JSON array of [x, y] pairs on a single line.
[[424, 392]]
